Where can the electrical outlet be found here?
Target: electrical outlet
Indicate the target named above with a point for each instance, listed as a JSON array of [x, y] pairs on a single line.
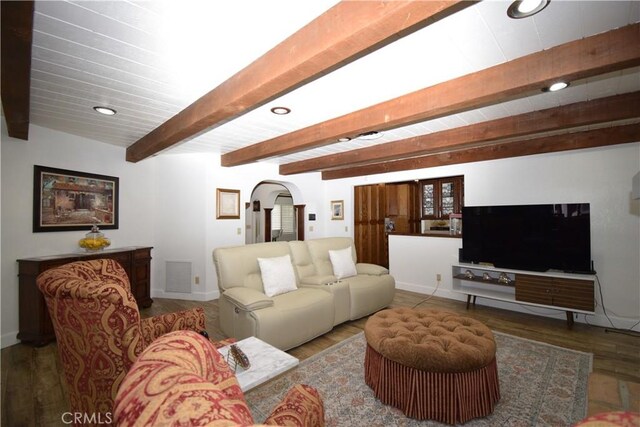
[[311, 228], [346, 228], [239, 231], [196, 280], [438, 277]]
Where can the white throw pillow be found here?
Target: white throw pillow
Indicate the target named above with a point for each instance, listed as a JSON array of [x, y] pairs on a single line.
[[277, 275], [342, 263]]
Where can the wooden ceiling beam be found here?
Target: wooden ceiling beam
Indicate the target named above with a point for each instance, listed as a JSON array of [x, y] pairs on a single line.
[[585, 113], [500, 150], [347, 31], [606, 52], [17, 36]]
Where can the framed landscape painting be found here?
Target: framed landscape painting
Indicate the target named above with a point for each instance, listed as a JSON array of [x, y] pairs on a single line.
[[65, 200]]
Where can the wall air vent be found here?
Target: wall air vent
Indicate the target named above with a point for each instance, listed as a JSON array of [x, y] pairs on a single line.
[[178, 276]]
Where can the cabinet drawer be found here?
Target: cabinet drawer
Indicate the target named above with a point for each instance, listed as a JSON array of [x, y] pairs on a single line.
[[560, 292], [142, 254], [535, 289], [574, 293]]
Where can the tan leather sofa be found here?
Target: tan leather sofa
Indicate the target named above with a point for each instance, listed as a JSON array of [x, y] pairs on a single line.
[[320, 301]]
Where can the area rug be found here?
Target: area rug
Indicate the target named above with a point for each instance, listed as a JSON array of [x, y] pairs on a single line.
[[540, 385]]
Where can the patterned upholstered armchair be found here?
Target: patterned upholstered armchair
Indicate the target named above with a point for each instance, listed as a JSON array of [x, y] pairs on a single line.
[[99, 331], [182, 380]]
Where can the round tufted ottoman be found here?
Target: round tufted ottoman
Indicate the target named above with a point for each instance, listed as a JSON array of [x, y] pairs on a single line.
[[432, 364]]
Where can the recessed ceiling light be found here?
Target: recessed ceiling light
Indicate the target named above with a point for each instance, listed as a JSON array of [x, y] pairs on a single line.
[[525, 8], [281, 111], [556, 87], [344, 139], [105, 110]]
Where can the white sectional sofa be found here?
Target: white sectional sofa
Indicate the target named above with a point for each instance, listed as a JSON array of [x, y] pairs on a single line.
[[317, 302]]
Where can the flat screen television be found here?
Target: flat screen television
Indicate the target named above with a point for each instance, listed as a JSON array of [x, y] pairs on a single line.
[[529, 237]]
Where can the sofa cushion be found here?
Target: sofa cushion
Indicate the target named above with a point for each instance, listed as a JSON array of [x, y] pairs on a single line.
[[319, 251], [295, 318], [238, 265], [302, 261], [371, 269], [369, 293], [277, 275], [342, 263]]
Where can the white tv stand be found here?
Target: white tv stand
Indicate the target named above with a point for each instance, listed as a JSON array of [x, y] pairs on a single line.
[[551, 289]]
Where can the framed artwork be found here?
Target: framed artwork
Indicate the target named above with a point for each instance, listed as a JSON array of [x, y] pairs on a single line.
[[337, 209], [228, 204], [65, 200]]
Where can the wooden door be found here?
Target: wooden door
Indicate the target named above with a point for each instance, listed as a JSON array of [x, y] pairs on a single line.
[[414, 207], [369, 233]]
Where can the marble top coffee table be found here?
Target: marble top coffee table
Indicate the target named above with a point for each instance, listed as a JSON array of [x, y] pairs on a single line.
[[267, 362]]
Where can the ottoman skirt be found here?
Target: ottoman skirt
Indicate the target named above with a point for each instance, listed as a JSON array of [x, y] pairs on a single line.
[[448, 397]]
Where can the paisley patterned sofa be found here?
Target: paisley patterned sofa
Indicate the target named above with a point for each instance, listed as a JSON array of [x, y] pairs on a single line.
[[99, 331], [182, 380]]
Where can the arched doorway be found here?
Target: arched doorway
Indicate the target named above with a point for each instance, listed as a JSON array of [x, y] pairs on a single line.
[[269, 198]]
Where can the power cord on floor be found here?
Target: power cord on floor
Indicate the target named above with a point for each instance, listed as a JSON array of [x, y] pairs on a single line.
[[430, 296], [630, 332]]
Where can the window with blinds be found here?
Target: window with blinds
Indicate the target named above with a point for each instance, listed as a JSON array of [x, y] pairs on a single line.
[[282, 215]]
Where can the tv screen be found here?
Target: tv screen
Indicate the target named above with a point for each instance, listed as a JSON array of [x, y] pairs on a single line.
[[529, 237]]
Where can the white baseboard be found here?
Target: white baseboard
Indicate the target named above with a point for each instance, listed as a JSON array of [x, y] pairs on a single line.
[[9, 339], [191, 296], [596, 319]]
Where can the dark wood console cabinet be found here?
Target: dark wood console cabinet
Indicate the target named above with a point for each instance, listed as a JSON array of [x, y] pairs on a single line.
[[34, 322]]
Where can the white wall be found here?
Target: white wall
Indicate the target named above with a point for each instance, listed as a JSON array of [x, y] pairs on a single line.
[[186, 206], [600, 176], [339, 190], [56, 149]]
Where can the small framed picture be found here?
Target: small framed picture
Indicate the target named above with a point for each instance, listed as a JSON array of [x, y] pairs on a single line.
[[228, 204], [337, 209]]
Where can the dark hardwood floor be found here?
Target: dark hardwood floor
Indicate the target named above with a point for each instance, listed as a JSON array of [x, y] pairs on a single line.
[[33, 391]]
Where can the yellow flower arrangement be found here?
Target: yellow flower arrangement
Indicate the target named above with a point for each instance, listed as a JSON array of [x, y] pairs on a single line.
[[94, 243], [94, 240]]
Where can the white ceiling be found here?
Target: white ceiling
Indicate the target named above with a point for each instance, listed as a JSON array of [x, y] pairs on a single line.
[[151, 59]]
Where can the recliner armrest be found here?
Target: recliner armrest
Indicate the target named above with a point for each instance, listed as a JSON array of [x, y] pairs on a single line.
[[154, 327], [247, 299], [371, 269]]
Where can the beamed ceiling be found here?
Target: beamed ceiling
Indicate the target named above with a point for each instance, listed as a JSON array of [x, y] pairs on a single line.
[[441, 82]]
